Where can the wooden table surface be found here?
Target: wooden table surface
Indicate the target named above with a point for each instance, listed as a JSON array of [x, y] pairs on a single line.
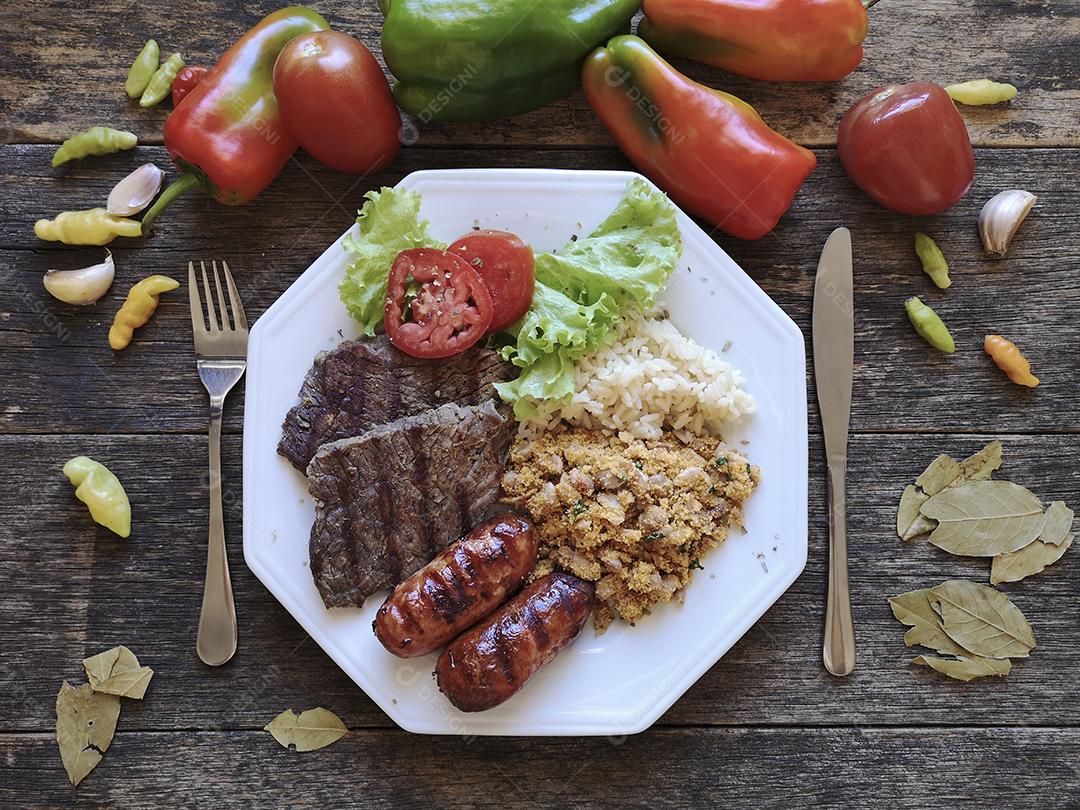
[[765, 726]]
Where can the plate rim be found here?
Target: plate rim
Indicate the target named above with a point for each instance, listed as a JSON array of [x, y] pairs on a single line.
[[701, 663]]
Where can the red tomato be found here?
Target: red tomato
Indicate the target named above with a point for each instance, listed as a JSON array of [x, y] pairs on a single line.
[[907, 147], [336, 102], [449, 311], [505, 263], [186, 80]]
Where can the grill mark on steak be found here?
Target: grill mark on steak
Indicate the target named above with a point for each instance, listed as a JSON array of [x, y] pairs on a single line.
[[392, 400], [386, 514], [378, 520], [418, 473], [365, 383]]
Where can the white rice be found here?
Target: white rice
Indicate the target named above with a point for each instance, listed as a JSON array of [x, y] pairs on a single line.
[[651, 378]]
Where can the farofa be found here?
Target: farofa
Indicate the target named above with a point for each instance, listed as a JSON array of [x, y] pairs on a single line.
[[633, 515]]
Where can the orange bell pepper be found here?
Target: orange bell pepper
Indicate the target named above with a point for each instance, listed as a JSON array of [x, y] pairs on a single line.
[[772, 40], [709, 150]]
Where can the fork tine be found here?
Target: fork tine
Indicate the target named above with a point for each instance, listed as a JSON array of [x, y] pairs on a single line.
[[221, 299], [209, 300], [240, 320], [197, 322]]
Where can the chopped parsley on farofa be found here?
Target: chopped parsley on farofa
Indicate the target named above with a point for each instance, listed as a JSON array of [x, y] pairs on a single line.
[[634, 516]]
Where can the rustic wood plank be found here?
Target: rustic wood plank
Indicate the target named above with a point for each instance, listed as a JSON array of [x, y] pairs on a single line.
[[66, 71], [78, 590], [901, 384], [828, 768]]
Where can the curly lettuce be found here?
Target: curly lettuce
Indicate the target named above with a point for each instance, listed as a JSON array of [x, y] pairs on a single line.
[[581, 291], [389, 223]]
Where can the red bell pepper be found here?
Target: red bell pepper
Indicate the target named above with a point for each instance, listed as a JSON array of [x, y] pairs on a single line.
[[709, 150], [226, 135], [185, 82], [773, 40]]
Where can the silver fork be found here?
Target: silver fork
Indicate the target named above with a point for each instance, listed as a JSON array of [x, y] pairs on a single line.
[[221, 355]]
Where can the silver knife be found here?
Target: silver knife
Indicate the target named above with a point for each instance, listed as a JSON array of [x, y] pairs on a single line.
[[834, 359]]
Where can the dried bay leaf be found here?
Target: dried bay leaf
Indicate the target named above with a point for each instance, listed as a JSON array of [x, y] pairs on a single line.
[[909, 521], [130, 684], [1059, 521], [1031, 559], [984, 518], [945, 471], [85, 725], [981, 465], [920, 526], [913, 609], [99, 667], [966, 668], [942, 471], [117, 672], [981, 620], [308, 731]]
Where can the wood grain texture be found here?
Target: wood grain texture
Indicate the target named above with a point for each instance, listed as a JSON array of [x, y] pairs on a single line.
[[766, 726], [144, 592], [901, 384], [54, 80], [821, 768]]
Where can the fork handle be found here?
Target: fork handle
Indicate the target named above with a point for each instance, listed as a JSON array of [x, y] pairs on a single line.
[[216, 640]]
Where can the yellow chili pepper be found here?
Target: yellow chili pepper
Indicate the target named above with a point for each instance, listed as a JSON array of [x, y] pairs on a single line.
[[141, 302], [929, 325], [1008, 357], [933, 260], [981, 91], [160, 84], [142, 69], [95, 226], [94, 141], [102, 491]]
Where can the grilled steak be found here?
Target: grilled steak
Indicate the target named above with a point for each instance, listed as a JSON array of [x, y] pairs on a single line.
[[364, 383], [389, 500]]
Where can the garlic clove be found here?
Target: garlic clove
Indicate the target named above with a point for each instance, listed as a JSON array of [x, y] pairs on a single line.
[[81, 287], [1001, 217], [132, 194]]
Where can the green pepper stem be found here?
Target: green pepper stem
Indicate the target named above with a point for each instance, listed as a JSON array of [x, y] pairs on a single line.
[[181, 185]]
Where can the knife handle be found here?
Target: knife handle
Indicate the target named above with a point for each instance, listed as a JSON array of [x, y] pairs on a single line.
[[839, 650]]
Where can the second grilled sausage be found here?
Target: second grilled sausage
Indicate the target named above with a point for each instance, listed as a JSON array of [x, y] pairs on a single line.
[[487, 664], [468, 580]]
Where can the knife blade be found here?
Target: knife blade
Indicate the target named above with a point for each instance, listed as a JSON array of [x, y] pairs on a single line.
[[834, 360]]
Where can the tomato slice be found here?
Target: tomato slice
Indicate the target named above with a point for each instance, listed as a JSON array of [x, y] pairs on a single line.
[[436, 304], [506, 265]]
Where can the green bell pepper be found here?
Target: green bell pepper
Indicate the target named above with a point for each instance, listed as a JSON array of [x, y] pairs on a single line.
[[460, 60]]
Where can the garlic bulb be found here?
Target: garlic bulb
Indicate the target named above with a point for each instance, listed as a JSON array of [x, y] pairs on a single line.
[[132, 194], [1000, 218], [81, 287]]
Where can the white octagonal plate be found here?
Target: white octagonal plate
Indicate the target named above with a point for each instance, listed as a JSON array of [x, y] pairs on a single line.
[[616, 683]]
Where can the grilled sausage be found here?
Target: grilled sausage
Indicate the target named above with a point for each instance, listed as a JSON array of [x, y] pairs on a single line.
[[463, 584], [487, 664]]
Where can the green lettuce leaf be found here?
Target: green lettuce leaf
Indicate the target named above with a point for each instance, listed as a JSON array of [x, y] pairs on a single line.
[[583, 290], [389, 223], [629, 256], [554, 332]]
